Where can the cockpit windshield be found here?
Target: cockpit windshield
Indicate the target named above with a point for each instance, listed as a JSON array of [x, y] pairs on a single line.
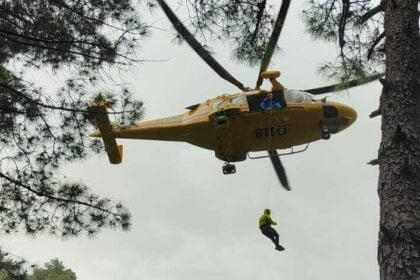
[[238, 100], [227, 102], [298, 96]]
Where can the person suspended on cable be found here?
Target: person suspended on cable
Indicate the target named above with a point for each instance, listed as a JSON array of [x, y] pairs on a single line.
[[265, 223]]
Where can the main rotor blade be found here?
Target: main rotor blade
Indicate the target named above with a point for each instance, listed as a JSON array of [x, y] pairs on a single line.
[[275, 35], [344, 85], [278, 167], [197, 47]]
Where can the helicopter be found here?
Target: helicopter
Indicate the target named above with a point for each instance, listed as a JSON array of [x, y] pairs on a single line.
[[234, 125]]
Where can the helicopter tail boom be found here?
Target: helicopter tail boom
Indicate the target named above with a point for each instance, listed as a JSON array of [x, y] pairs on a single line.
[[101, 120]]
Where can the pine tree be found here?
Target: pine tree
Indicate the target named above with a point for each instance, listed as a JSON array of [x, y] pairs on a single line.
[[42, 130], [11, 268], [374, 37]]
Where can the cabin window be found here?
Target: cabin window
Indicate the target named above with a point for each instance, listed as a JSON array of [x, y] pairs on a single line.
[[298, 96], [254, 101]]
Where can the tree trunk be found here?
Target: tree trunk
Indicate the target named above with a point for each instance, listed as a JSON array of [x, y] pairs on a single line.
[[399, 154]]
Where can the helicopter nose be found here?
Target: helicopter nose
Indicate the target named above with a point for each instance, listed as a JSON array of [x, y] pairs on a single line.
[[341, 115], [338, 116], [348, 113]]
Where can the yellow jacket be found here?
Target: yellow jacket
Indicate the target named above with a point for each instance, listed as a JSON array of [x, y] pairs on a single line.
[[265, 219]]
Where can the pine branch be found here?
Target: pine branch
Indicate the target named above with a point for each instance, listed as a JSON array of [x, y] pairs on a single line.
[[375, 43], [197, 47], [343, 22], [371, 13], [55, 198], [261, 7], [272, 43], [77, 53], [11, 110], [60, 108], [52, 41]]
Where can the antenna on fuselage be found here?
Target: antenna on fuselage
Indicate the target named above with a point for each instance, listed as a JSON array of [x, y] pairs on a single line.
[[272, 76]]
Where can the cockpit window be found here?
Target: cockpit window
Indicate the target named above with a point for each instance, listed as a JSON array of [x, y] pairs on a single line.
[[238, 100], [216, 104], [227, 102], [298, 96]]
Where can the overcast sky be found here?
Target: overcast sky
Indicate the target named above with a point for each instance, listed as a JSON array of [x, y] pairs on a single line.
[[192, 222]]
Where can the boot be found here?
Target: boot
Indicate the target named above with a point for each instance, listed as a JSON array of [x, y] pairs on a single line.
[[279, 248]]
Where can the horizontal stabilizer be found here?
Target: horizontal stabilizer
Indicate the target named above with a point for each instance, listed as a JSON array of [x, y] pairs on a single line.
[[101, 120]]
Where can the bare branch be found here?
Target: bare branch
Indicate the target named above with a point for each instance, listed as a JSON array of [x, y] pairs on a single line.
[[375, 113], [374, 162]]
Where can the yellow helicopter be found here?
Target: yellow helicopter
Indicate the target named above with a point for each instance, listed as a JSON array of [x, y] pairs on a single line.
[[235, 125]]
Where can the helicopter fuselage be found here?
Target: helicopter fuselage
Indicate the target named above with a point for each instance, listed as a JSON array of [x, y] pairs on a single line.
[[234, 125]]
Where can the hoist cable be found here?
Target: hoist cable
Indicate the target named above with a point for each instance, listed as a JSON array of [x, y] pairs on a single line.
[[269, 149]]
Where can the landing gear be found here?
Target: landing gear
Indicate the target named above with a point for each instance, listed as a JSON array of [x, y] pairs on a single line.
[[325, 132], [228, 168]]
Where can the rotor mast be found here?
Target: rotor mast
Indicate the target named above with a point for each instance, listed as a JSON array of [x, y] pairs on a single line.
[[272, 76]]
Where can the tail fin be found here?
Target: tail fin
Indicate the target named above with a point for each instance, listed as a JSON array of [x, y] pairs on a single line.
[[101, 120]]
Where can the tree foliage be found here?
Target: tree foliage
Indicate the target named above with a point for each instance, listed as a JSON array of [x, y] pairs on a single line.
[[357, 30], [385, 33], [11, 269], [42, 130], [246, 25], [53, 270]]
